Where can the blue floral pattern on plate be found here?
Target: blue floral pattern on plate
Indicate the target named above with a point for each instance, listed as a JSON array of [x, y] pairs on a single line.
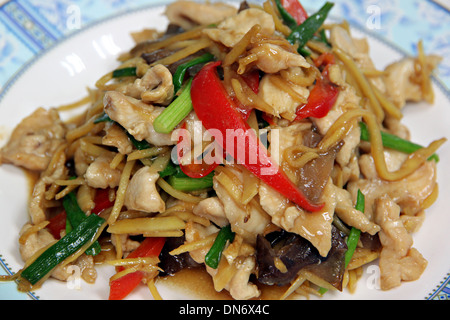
[[29, 27]]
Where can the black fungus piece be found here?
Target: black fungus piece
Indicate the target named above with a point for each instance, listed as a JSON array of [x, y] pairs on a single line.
[[173, 29], [297, 253], [172, 264], [243, 6], [315, 174], [370, 242], [332, 268], [147, 46], [151, 57], [70, 165]]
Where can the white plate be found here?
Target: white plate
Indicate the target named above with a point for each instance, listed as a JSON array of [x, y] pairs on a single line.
[[60, 76]]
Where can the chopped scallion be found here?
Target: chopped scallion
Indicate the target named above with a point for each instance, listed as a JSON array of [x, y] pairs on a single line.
[[323, 38], [103, 117], [355, 233], [169, 170], [393, 142], [124, 72], [140, 145], [214, 254], [84, 233], [188, 184], [180, 73], [75, 216], [175, 112], [304, 32], [288, 19]]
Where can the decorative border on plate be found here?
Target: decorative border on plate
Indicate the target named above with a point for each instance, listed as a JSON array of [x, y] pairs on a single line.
[[34, 35], [442, 291], [5, 267]]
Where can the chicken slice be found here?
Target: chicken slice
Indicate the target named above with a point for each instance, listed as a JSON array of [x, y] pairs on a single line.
[[100, 175], [230, 31], [136, 117], [409, 193], [212, 209], [358, 49], [34, 242], [240, 287], [142, 194], [86, 265], [246, 221], [398, 260], [272, 58], [393, 234], [347, 213], [283, 103], [313, 226], [156, 86], [195, 232], [412, 265], [400, 87], [188, 14], [37, 202], [34, 141], [116, 137]]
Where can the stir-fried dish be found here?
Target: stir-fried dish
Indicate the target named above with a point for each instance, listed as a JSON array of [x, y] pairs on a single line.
[[258, 143]]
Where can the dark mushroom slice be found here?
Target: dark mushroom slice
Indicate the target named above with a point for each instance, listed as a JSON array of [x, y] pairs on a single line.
[[293, 251], [148, 45], [171, 264], [314, 175], [295, 254], [332, 268]]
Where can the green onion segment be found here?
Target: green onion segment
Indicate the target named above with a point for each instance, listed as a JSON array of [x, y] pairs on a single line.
[[73, 241], [175, 112], [178, 77], [214, 254], [393, 142], [354, 235], [75, 216], [304, 32]]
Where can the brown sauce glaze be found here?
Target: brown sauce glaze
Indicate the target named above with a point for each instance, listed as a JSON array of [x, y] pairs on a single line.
[[198, 284]]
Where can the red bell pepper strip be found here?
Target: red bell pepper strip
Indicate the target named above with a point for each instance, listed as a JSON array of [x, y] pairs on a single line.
[[217, 111], [252, 80], [268, 118], [102, 201], [296, 10], [150, 247], [321, 99], [123, 286], [57, 224], [193, 170], [198, 170], [325, 59]]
